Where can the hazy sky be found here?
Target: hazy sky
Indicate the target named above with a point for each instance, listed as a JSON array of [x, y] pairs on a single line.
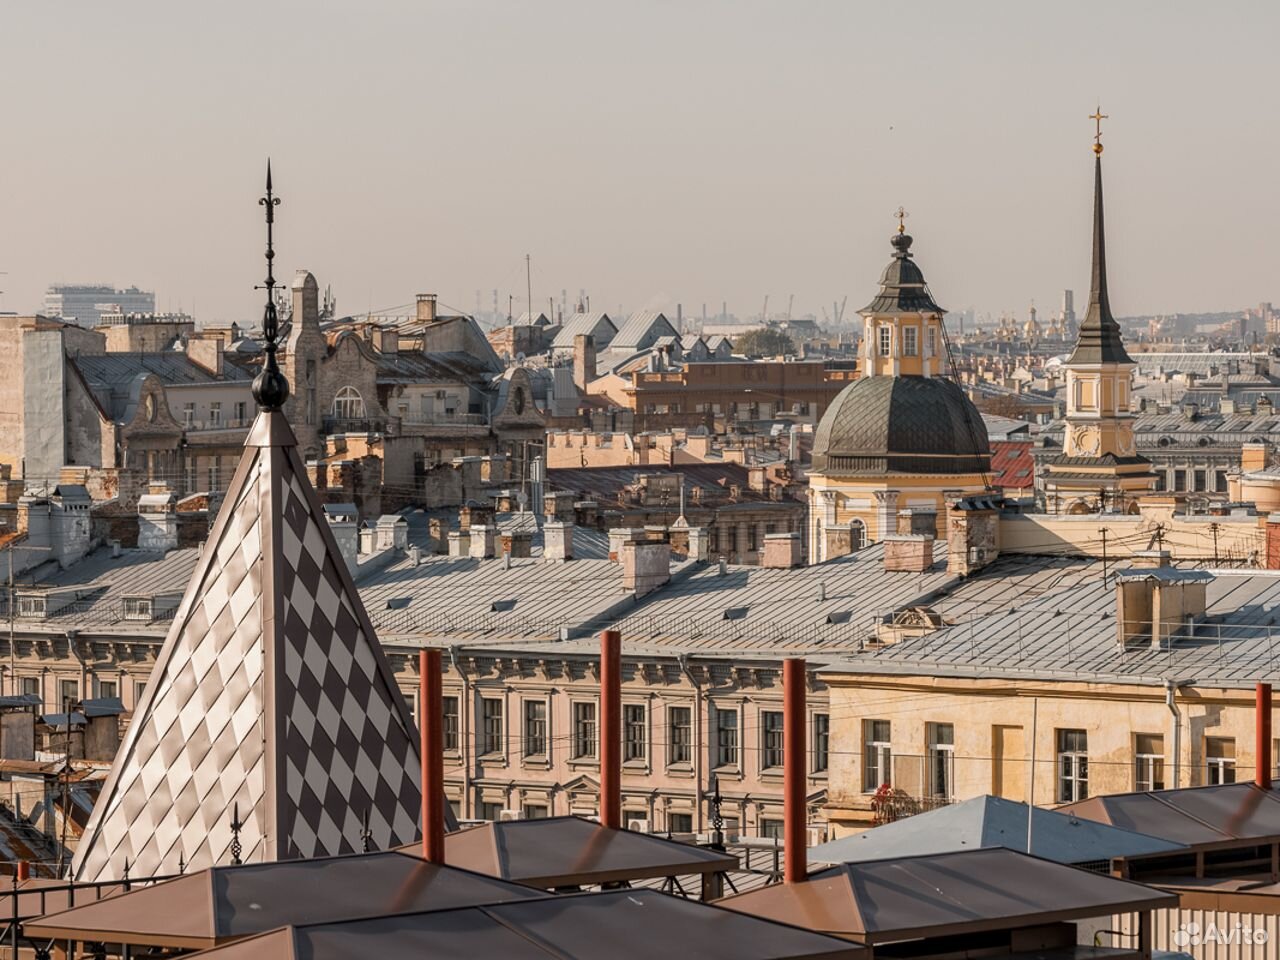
[[651, 152]]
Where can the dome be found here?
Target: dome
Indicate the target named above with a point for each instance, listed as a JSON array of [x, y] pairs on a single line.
[[880, 425], [902, 285]]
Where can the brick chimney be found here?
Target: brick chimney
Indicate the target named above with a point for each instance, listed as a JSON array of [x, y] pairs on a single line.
[[838, 540], [1253, 456], [973, 535], [482, 541], [584, 360], [459, 543], [699, 544], [908, 553], [518, 544], [426, 307], [557, 540], [782, 551], [646, 565], [306, 299]]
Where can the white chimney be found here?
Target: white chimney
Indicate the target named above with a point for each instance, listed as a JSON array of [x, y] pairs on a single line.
[[557, 540]]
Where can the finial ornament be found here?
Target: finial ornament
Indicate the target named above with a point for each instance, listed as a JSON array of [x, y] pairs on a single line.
[[236, 827], [901, 214], [270, 388], [1097, 117]]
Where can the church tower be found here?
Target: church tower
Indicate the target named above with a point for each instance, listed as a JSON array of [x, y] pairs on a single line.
[[1099, 464]]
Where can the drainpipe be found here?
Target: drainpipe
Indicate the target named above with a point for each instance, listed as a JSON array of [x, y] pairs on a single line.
[[1170, 701], [611, 729], [1262, 727], [464, 729], [794, 759], [431, 725], [698, 745]]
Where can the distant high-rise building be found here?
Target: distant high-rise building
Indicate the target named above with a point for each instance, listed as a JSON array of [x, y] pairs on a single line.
[[86, 303]]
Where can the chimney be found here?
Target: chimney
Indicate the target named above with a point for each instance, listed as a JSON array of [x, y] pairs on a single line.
[[794, 760], [482, 541], [426, 307], [459, 543], [306, 299], [1262, 724], [518, 544], [1253, 456], [611, 729], [158, 519], [1150, 559], [646, 565], [344, 525], [439, 530], [1158, 602], [71, 522], [908, 553], [584, 360], [388, 340], [208, 354], [973, 535], [918, 522], [838, 539], [557, 540], [618, 536], [699, 544], [431, 725], [782, 551]]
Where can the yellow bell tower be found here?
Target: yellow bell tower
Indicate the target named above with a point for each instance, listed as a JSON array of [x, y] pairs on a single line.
[[1099, 466]]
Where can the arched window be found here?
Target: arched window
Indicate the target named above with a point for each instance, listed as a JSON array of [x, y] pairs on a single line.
[[348, 404], [857, 534]]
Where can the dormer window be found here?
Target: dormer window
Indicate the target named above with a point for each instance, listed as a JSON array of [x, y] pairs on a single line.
[[138, 608], [32, 607]]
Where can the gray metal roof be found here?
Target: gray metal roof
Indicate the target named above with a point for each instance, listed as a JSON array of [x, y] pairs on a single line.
[[595, 324], [641, 326], [110, 369], [989, 821]]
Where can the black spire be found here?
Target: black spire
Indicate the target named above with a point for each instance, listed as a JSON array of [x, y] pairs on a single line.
[[270, 388], [1099, 340]]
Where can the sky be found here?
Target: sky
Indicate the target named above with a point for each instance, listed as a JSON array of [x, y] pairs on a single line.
[[653, 152]]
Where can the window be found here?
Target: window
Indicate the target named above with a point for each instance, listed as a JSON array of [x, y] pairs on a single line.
[[488, 811], [492, 734], [942, 759], [886, 340], [535, 811], [215, 414], [772, 829], [821, 740], [240, 411], [933, 341], [634, 732], [535, 728], [1220, 481], [450, 722], [31, 606], [348, 404], [876, 754], [771, 731], [1073, 765], [29, 685], [1148, 762], [584, 731], [139, 690], [188, 414], [1220, 760], [726, 738], [68, 692], [679, 735], [138, 608], [910, 341], [108, 689], [1199, 478], [1179, 480], [680, 822]]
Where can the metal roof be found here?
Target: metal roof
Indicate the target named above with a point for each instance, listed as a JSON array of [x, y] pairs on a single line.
[[411, 366], [595, 324], [114, 369], [909, 898], [614, 925], [640, 326], [989, 821], [1190, 815]]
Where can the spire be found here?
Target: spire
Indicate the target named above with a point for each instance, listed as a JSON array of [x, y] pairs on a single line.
[[270, 388], [1099, 340]]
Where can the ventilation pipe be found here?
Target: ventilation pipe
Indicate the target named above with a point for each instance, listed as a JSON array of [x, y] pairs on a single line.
[[793, 759], [431, 725], [611, 729], [1262, 726]]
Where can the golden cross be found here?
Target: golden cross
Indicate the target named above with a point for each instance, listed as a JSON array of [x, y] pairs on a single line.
[[1097, 117], [901, 214]]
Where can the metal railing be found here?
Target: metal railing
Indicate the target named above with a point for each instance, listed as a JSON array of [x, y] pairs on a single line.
[[444, 419], [359, 425]]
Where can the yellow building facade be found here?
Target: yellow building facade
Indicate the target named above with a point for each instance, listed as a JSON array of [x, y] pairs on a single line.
[[901, 438]]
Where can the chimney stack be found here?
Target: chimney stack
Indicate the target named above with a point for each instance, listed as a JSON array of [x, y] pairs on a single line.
[[782, 551], [557, 540], [1263, 728], [794, 760], [611, 729], [646, 566], [584, 360], [426, 307], [431, 725]]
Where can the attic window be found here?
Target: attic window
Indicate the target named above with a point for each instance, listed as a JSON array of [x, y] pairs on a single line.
[[34, 608], [840, 616], [503, 606], [138, 608], [735, 613], [398, 603]]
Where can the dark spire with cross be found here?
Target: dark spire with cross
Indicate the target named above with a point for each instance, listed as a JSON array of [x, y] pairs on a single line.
[[270, 388], [1099, 340]]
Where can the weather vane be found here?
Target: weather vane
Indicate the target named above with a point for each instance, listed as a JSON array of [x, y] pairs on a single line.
[[270, 388], [901, 214], [1097, 117]]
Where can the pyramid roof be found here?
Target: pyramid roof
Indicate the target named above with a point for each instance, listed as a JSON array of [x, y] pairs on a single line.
[[271, 694]]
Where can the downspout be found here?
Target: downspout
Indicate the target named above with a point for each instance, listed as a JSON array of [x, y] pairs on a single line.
[[698, 745], [1170, 701], [464, 728]]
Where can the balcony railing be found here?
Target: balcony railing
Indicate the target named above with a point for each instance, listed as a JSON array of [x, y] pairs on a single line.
[[420, 419], [221, 423], [364, 425]]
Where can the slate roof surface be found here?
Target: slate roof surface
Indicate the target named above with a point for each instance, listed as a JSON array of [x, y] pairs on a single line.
[[113, 369]]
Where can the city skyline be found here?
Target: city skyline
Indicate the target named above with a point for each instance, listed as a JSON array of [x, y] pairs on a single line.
[[646, 157]]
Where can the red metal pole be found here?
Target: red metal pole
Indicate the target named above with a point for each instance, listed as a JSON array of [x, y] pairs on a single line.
[[794, 759], [1263, 727], [24, 870], [611, 729], [431, 725]]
